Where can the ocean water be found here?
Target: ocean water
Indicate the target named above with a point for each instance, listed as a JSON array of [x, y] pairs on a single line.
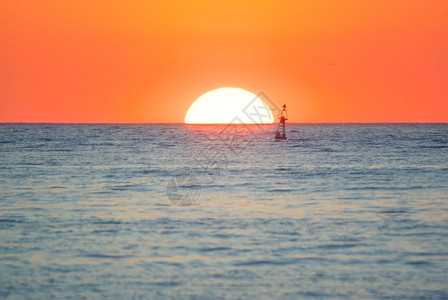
[[336, 211]]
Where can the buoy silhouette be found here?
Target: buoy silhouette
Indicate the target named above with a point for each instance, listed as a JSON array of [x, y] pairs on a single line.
[[281, 130]]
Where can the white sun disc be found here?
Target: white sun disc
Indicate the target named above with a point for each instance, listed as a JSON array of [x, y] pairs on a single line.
[[225, 105]]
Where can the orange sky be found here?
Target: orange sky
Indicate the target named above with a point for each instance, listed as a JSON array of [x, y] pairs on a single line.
[[147, 61]]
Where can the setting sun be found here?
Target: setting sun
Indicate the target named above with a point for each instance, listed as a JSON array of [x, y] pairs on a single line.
[[225, 105]]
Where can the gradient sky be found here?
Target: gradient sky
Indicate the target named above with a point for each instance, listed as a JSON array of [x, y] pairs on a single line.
[[147, 61]]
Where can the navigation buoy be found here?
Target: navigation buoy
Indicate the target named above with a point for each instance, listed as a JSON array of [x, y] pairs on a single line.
[[281, 133]]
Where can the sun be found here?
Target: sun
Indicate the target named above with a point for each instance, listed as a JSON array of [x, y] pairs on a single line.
[[229, 105]]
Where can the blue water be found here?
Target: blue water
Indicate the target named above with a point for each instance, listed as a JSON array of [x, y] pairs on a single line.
[[335, 211]]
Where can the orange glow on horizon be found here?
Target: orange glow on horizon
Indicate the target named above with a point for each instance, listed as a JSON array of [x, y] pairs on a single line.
[[330, 61]]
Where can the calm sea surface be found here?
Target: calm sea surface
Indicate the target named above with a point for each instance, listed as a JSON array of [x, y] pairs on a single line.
[[335, 211]]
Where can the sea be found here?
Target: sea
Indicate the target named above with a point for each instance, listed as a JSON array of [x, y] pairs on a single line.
[[175, 211]]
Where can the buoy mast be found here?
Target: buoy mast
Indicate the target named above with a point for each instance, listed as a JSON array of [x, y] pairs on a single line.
[[281, 130]]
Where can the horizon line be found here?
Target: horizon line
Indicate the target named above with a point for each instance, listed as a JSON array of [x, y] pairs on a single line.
[[183, 123]]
